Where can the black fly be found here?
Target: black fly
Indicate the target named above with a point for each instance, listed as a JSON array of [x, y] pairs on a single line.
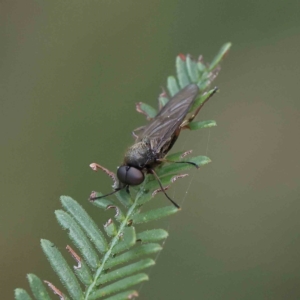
[[156, 139]]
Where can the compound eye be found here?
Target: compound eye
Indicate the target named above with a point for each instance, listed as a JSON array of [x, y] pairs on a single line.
[[130, 175]]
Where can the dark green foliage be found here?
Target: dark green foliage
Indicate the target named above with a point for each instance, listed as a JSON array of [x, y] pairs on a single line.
[[108, 262]]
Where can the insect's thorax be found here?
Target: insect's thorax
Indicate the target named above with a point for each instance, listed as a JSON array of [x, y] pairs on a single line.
[[140, 155]]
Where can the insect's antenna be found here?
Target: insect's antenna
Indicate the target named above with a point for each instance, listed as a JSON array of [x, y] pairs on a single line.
[[116, 190], [162, 188]]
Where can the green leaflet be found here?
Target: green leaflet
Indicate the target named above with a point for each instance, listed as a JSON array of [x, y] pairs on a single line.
[[162, 100], [38, 287], [154, 214], [21, 294], [110, 228], [86, 223], [119, 286], [62, 269], [146, 110], [124, 198], [181, 70], [192, 69], [153, 235], [224, 50], [135, 253], [172, 86], [126, 271], [202, 124], [178, 155], [174, 168], [79, 238], [83, 273], [127, 240]]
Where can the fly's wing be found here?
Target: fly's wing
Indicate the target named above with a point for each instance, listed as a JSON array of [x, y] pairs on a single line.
[[161, 129]]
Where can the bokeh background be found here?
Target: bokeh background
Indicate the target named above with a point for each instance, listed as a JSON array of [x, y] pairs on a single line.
[[71, 73]]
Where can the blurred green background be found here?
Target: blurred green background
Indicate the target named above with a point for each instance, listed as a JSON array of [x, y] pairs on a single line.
[[71, 73]]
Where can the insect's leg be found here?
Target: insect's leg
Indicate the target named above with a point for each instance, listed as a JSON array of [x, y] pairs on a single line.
[[187, 162], [127, 189], [162, 188], [134, 132], [178, 162], [116, 190]]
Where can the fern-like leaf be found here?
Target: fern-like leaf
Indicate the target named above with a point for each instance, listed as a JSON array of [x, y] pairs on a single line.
[[109, 261]]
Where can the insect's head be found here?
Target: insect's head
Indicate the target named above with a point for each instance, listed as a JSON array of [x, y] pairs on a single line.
[[130, 175]]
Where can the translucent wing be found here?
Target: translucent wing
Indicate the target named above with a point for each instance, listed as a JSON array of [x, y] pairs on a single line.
[[163, 126]]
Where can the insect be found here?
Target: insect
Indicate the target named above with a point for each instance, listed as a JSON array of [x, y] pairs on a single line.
[[156, 139]]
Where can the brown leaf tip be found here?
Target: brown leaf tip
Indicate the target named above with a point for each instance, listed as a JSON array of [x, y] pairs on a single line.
[[133, 295], [55, 290], [116, 208], [110, 221], [95, 167], [75, 256], [159, 190], [186, 153], [93, 195], [182, 56], [174, 178]]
